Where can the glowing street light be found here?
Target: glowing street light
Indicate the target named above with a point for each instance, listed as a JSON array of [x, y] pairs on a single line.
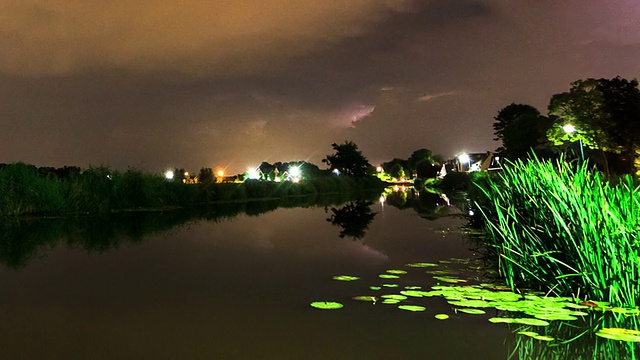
[[569, 129], [379, 169], [253, 173], [168, 175], [465, 158], [220, 173], [294, 171]]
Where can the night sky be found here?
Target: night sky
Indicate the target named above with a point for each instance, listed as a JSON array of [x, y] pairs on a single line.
[[154, 84]]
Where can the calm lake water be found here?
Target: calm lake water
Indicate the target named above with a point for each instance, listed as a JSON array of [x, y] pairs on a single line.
[[240, 288]]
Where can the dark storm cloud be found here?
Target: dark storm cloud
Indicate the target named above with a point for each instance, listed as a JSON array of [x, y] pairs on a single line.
[[155, 83]]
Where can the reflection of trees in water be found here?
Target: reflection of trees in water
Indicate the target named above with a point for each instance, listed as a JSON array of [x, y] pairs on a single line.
[[354, 218], [22, 239], [427, 204]]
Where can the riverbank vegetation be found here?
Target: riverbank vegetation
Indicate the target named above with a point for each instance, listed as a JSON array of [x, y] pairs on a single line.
[[559, 227], [29, 190]]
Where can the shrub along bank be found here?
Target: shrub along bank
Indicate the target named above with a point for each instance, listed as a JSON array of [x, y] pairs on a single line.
[[559, 227], [24, 189]]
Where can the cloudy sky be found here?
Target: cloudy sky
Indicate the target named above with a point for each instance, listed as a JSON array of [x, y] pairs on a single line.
[[153, 84]]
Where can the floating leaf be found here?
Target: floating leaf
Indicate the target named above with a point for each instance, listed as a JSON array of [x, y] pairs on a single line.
[[326, 305], [523, 321], [388, 276], [422, 265], [397, 272], [365, 298], [345, 278], [528, 333], [472, 311], [441, 272], [532, 322], [449, 279], [390, 301], [472, 303], [375, 287], [412, 308], [394, 296], [413, 293], [551, 316], [619, 334], [543, 338], [413, 287], [626, 311], [441, 316], [390, 285]]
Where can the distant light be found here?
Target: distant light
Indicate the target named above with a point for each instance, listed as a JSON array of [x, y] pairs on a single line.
[[336, 171], [379, 169], [294, 171], [464, 158], [220, 173], [471, 213], [253, 173], [168, 175], [569, 128], [382, 199]]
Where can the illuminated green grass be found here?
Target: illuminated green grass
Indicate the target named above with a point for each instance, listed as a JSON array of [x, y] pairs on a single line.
[[559, 227]]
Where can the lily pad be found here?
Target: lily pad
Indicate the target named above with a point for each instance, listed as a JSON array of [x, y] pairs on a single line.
[[388, 276], [422, 265], [326, 305], [472, 311], [390, 301], [375, 287], [365, 298], [412, 308], [397, 272], [441, 316], [528, 333], [523, 321], [345, 278], [413, 293], [619, 334], [394, 296], [543, 338], [449, 279], [390, 285]]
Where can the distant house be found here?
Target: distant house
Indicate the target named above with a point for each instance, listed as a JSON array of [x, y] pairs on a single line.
[[487, 161]]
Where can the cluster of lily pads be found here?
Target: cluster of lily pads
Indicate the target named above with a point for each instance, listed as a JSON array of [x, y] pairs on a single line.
[[529, 309]]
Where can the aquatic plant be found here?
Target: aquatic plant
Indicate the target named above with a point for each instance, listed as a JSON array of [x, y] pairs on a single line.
[[559, 227]]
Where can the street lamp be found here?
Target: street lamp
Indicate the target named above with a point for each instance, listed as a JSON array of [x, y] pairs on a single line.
[[569, 129]]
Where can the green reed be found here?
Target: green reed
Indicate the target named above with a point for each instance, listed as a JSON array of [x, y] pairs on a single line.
[[558, 226]]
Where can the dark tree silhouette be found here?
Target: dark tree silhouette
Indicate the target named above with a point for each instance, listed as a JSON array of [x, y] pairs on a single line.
[[348, 160], [521, 128]]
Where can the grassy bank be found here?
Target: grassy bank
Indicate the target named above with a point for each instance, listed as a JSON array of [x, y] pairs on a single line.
[[559, 227], [27, 190]]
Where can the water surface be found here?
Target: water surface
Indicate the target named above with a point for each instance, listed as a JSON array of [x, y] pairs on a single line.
[[240, 289]]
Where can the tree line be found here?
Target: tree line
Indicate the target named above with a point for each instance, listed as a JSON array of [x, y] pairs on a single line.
[[604, 115]]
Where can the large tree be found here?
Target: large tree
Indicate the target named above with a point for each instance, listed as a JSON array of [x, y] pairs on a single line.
[[348, 160], [421, 163], [604, 112], [521, 128]]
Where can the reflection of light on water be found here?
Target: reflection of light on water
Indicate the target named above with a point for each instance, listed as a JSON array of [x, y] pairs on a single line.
[[446, 199]]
